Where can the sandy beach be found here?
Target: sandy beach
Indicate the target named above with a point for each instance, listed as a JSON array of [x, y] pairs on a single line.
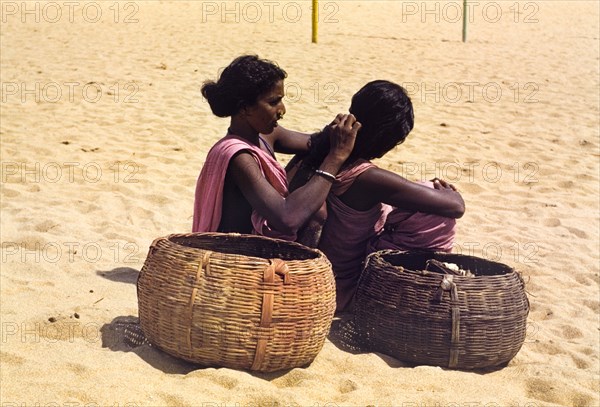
[[103, 132]]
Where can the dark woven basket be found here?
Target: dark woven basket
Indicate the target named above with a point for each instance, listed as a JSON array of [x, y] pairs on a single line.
[[238, 301], [446, 320]]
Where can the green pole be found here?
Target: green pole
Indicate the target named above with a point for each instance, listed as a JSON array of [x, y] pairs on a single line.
[[315, 20], [464, 34]]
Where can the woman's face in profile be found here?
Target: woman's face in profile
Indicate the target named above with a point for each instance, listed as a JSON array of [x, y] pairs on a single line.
[[267, 110]]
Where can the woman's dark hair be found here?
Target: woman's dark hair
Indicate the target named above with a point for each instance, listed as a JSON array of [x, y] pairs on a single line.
[[386, 114], [240, 84]]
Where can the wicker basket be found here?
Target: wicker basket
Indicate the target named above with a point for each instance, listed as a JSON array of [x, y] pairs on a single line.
[[238, 301], [446, 320]]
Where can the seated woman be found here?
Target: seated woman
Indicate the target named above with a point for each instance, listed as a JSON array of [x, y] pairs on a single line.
[[409, 230], [242, 188], [370, 208]]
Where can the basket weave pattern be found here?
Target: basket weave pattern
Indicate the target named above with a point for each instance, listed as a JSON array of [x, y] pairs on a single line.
[[444, 320], [237, 301]]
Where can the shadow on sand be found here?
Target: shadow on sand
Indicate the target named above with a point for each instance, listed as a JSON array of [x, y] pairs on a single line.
[[120, 274], [124, 334]]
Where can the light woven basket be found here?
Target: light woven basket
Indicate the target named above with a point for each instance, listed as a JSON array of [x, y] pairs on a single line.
[[438, 319], [238, 301]]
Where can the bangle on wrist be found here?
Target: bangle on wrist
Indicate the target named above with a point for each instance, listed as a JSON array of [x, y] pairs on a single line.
[[329, 177]]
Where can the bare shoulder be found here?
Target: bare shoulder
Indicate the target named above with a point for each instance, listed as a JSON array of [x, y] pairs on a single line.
[[243, 166], [377, 178], [373, 186]]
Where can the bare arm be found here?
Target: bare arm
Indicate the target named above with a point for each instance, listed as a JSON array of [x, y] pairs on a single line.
[[290, 213], [294, 142], [378, 185], [288, 141]]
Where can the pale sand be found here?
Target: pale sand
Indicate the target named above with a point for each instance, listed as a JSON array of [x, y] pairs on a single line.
[[75, 229]]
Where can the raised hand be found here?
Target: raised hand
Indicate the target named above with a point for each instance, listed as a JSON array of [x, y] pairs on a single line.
[[343, 135]]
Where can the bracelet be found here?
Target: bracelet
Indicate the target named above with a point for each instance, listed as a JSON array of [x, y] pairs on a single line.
[[329, 177]]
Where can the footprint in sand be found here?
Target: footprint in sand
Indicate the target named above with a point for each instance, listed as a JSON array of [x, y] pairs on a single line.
[[263, 400], [78, 368], [566, 184], [548, 314], [548, 348], [577, 232], [516, 144], [45, 226], [157, 199], [581, 363], [10, 193], [181, 189], [580, 399], [11, 359], [552, 222], [588, 351], [227, 382], [292, 379], [471, 188], [171, 400], [583, 278], [556, 393], [541, 389], [167, 160], [32, 243], [347, 386], [593, 305], [571, 332]]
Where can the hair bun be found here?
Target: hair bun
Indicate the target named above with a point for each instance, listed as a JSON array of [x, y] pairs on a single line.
[[217, 99], [240, 84]]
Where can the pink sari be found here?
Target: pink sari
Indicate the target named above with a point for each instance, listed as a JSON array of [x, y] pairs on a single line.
[[407, 230], [347, 233], [208, 203]]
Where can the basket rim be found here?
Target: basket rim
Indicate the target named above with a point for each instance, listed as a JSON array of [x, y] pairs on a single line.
[[169, 239], [379, 256]]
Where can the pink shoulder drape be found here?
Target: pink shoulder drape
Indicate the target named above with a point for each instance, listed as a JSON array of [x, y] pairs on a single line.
[[209, 187]]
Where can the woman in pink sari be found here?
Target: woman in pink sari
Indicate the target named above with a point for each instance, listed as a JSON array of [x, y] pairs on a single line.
[[242, 188], [370, 208]]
